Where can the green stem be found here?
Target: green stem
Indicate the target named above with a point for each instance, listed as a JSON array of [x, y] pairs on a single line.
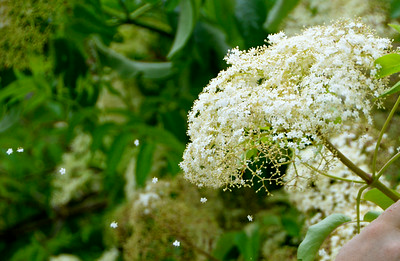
[[360, 191], [122, 4], [369, 180], [149, 27], [347, 162], [331, 176], [383, 130], [126, 18], [382, 170], [139, 11]]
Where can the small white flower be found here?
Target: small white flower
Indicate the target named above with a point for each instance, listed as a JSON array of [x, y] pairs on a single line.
[[114, 224], [250, 217], [9, 151], [203, 200], [136, 142], [20, 149], [62, 171], [322, 252], [154, 180], [176, 243]]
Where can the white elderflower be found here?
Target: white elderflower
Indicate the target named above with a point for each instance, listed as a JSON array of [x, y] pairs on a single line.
[[322, 253], [62, 171], [20, 149], [154, 180], [250, 217], [276, 100], [146, 198], [9, 151], [322, 196], [203, 200], [136, 142], [176, 243], [316, 12], [114, 224]]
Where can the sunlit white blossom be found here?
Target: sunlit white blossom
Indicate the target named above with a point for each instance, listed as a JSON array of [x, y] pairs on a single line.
[[62, 171], [114, 224], [136, 142], [274, 101], [176, 243], [9, 151], [203, 200], [250, 217], [20, 149], [154, 180], [146, 198], [322, 252]]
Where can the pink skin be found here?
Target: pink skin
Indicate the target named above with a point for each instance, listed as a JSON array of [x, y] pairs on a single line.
[[379, 241]]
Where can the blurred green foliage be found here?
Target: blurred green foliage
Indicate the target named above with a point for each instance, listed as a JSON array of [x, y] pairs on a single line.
[[114, 71]]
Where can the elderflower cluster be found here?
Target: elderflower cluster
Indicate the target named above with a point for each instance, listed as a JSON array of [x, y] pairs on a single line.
[[76, 178], [165, 215], [321, 196], [275, 100], [317, 12]]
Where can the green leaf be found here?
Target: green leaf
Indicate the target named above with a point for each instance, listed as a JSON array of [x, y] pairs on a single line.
[[98, 135], [222, 12], [395, 88], [160, 135], [396, 26], [130, 69], [291, 226], [144, 163], [394, 9], [116, 151], [376, 196], [10, 118], [371, 215], [249, 244], [87, 19], [251, 153], [69, 62], [316, 235], [390, 64], [277, 13], [271, 220], [170, 5], [173, 161], [224, 245], [18, 89], [250, 16], [186, 23], [175, 123]]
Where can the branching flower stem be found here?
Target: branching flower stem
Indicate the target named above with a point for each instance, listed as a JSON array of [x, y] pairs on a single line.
[[358, 206], [331, 176], [383, 130], [368, 178], [382, 170]]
